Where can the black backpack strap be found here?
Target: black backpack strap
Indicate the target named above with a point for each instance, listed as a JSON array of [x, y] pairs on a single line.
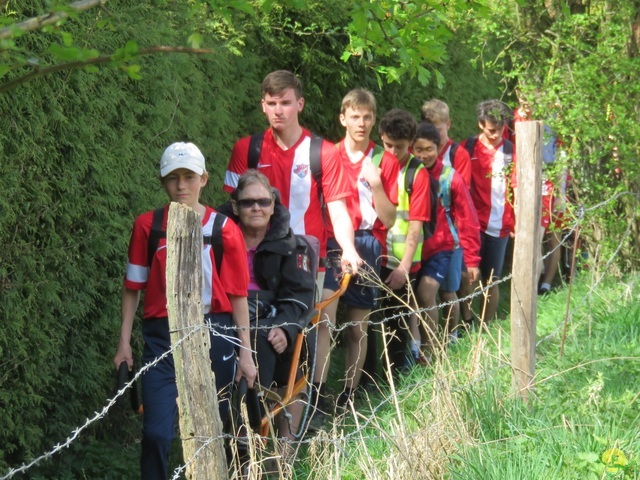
[[507, 147], [315, 158], [215, 240], [452, 153], [156, 233], [255, 147], [470, 145], [414, 163]]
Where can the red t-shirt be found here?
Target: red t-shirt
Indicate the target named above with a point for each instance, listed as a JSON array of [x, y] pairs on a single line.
[[289, 171], [493, 177], [215, 291], [360, 200], [461, 162], [463, 215]]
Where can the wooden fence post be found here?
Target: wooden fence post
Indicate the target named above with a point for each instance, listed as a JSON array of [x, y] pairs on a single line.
[[197, 398], [526, 255]]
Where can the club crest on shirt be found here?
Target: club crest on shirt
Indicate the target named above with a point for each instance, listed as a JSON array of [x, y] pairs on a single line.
[[301, 170], [303, 262], [364, 183]]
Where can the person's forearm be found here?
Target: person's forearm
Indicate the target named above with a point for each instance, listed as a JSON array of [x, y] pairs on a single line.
[[241, 320], [411, 244], [342, 225], [385, 209], [130, 300]]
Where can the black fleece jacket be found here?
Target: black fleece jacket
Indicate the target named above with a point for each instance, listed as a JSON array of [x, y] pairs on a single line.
[[283, 268]]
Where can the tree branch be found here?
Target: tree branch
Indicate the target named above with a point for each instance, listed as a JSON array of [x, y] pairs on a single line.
[[38, 72], [41, 21]]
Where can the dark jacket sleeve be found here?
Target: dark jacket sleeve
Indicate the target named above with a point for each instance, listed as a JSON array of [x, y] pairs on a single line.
[[295, 295]]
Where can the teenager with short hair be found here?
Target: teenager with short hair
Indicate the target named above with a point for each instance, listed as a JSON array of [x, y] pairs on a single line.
[[286, 159], [492, 191], [436, 112], [224, 297], [372, 176], [401, 259], [456, 235]]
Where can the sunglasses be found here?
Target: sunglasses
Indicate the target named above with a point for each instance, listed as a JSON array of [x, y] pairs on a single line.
[[247, 203]]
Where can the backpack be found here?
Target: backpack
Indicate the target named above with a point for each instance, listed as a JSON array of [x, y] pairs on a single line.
[[452, 153], [444, 194], [312, 245], [315, 158], [440, 191], [428, 228], [157, 233]]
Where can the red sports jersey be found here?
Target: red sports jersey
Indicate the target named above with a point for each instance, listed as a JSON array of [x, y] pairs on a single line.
[[289, 171], [492, 183], [234, 269], [461, 163], [360, 200], [463, 215], [419, 206]]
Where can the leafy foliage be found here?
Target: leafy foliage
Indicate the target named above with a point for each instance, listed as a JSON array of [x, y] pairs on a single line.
[[578, 67]]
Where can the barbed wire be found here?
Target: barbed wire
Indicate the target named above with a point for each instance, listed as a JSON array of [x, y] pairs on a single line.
[[357, 432]]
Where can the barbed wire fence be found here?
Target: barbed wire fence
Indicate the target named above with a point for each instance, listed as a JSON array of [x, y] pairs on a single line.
[[383, 401]]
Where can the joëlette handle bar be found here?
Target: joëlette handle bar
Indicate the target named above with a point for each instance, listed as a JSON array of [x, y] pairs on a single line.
[[124, 375], [295, 387]]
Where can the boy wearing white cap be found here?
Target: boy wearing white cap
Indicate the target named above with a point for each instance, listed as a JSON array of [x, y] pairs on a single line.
[[183, 176]]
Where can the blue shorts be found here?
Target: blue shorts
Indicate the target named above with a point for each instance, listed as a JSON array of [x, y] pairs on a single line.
[[361, 293], [454, 275], [492, 251], [444, 268]]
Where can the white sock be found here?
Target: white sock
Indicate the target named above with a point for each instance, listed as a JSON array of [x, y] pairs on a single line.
[[545, 286]]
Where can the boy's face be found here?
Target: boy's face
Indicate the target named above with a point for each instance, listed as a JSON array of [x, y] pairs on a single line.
[[400, 148], [443, 130], [492, 132], [183, 186], [282, 109], [426, 151], [358, 123]]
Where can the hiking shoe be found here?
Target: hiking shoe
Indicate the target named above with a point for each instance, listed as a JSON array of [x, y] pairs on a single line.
[[542, 291]]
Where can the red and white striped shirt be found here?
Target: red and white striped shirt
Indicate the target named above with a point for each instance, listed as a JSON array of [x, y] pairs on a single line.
[[360, 200], [492, 183], [290, 172], [234, 271]]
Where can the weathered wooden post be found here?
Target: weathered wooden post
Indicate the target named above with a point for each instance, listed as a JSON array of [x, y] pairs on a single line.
[[197, 399], [524, 283]]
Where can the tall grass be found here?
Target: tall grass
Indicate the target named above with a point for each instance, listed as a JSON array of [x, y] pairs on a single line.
[[458, 418]]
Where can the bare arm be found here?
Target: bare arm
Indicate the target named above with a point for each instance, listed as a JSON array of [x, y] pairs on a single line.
[[246, 366], [343, 231], [398, 277], [385, 209], [130, 300]]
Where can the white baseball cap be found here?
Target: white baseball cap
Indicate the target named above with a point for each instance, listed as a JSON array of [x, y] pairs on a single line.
[[182, 155]]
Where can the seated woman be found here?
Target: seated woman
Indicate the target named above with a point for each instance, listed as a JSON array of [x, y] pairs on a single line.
[[282, 280]]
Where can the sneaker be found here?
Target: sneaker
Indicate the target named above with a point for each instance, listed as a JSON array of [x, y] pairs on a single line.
[[542, 291]]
